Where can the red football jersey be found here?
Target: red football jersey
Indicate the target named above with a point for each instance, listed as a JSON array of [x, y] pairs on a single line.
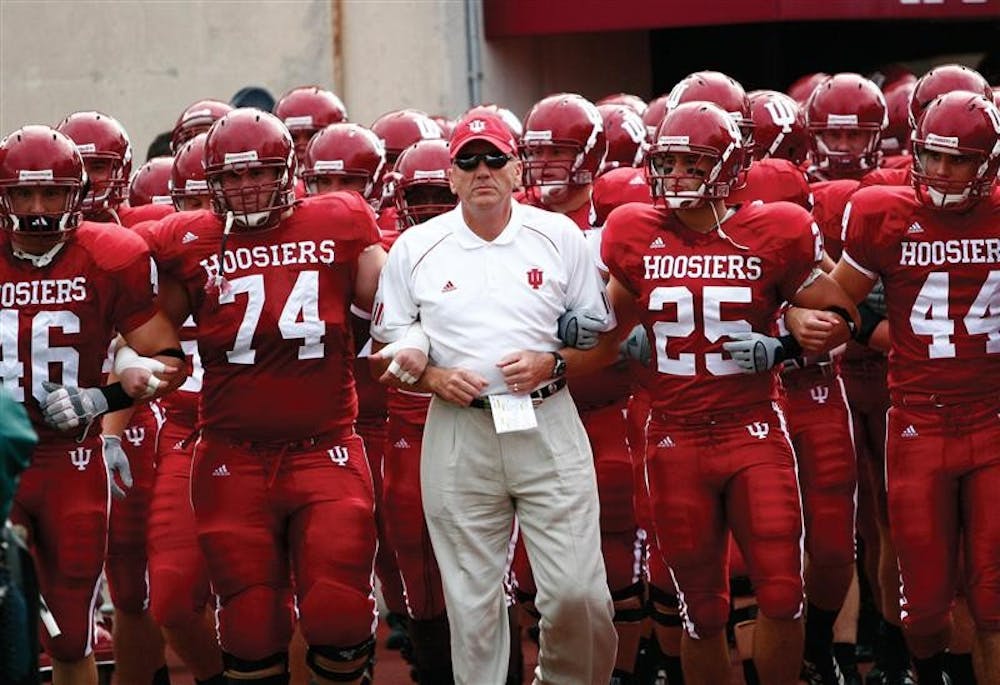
[[773, 180], [582, 216], [830, 198], [387, 220], [56, 320], [130, 216], [693, 290], [274, 336], [942, 288], [895, 176], [616, 188], [898, 162]]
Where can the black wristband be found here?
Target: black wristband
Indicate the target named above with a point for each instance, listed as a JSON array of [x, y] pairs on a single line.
[[116, 396], [172, 352], [852, 328], [870, 319], [790, 349]]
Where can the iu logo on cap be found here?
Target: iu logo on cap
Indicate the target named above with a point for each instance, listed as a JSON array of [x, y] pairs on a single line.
[[535, 278], [477, 125]]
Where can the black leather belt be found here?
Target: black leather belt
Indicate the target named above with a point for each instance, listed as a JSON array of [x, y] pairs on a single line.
[[538, 395]]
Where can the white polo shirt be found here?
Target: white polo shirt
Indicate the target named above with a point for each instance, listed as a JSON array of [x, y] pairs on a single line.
[[478, 301]]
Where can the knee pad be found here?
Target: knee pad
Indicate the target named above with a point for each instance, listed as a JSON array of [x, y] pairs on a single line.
[[352, 621], [171, 604], [342, 664], [127, 583], [704, 616], [271, 670], [984, 605], [628, 604], [256, 622], [781, 600]]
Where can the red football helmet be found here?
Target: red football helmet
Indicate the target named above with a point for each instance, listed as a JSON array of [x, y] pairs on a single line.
[[846, 115], [307, 109], [197, 118], [41, 156], [101, 139], [721, 90], [654, 114], [345, 150], [150, 185], [896, 137], [956, 123], [187, 177], [633, 102], [402, 128], [420, 183], [446, 124], [695, 128], [941, 80], [566, 125], [240, 143], [509, 119], [626, 136], [804, 86], [779, 127]]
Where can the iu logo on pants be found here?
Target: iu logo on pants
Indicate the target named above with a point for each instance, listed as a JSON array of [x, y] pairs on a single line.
[[759, 429], [339, 455], [135, 435], [80, 457], [820, 393]]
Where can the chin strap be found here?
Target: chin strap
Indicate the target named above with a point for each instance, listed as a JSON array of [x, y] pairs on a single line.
[[39, 260]]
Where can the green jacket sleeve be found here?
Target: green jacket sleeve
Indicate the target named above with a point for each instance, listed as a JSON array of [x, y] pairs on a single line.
[[17, 441]]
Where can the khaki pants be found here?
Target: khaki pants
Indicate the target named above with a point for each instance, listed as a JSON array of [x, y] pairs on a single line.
[[473, 481]]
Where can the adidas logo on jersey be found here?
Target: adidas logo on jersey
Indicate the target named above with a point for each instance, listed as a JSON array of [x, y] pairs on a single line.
[[401, 444], [915, 227], [189, 237], [221, 471], [909, 432], [657, 242], [666, 442], [448, 287]]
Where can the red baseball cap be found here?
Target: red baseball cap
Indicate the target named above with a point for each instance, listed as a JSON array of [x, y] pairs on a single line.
[[482, 126]]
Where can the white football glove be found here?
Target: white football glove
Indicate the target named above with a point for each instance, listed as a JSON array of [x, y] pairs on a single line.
[[754, 352], [65, 408], [116, 462], [579, 328]]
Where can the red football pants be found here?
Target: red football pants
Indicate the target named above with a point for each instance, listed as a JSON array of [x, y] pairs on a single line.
[[126, 564], [820, 426], [404, 516], [943, 475], [178, 574], [62, 501], [718, 472], [373, 430], [265, 514]]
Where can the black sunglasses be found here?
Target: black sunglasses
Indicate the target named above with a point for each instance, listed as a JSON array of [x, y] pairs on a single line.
[[494, 160]]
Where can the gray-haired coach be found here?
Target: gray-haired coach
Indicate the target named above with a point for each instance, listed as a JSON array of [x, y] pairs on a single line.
[[488, 282]]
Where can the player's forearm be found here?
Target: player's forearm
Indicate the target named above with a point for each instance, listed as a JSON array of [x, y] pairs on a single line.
[[583, 362]]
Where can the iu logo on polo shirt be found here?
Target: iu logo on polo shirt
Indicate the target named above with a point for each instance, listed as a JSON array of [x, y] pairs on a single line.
[[535, 278]]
